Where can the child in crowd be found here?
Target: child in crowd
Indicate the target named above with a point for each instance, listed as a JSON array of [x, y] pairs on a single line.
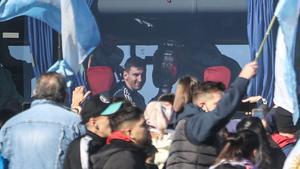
[[158, 116]]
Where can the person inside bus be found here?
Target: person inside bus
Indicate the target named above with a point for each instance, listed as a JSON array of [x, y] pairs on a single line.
[[134, 75]]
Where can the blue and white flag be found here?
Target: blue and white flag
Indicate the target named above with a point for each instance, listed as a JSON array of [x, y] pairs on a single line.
[[285, 95], [73, 18], [72, 79]]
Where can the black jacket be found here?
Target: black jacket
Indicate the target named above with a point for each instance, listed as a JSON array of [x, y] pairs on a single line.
[[73, 160], [131, 95], [120, 154], [184, 154]]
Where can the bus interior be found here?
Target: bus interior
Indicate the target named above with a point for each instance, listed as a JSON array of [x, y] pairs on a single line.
[[192, 31]]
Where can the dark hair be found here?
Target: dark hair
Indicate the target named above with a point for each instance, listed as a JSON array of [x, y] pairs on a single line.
[[254, 124], [206, 87], [127, 113], [238, 146], [167, 98], [284, 121], [92, 108], [229, 166], [134, 62], [51, 86]]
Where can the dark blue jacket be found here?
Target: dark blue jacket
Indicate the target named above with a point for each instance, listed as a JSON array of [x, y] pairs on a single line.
[[203, 125], [131, 95], [189, 110]]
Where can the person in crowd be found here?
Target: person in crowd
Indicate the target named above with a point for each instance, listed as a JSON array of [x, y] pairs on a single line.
[[240, 148], [183, 93], [271, 156], [197, 137], [183, 96], [134, 78], [127, 146], [95, 115], [158, 115], [284, 131], [7, 88], [169, 98], [38, 137], [11, 108], [178, 153], [5, 114], [252, 105], [293, 160]]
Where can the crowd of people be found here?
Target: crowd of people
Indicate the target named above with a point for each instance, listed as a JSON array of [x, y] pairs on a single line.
[[192, 128]]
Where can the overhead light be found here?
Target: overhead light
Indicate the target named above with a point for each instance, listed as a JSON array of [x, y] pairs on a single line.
[[143, 22], [10, 35]]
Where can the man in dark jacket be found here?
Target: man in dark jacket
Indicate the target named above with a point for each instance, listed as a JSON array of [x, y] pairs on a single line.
[[197, 138], [95, 115], [134, 78], [126, 146]]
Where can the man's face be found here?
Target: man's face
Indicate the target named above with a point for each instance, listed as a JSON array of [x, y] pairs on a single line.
[[102, 126], [140, 133], [135, 78], [211, 100]]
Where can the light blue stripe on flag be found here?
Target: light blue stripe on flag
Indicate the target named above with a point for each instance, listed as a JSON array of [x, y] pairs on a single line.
[[73, 18], [285, 95]]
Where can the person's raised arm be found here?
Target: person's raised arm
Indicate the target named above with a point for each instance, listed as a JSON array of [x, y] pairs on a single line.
[[200, 127]]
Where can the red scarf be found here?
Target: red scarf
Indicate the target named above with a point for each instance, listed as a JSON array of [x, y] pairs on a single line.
[[283, 141], [117, 135]]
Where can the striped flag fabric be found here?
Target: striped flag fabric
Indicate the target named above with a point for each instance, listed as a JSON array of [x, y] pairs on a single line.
[[285, 95], [73, 18]]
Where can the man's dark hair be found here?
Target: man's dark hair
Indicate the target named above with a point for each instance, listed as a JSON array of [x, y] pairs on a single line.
[[230, 166], [127, 113], [134, 62], [93, 107], [206, 87], [51, 86]]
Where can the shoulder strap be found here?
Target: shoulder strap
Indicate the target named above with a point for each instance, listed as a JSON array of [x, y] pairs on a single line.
[[84, 155]]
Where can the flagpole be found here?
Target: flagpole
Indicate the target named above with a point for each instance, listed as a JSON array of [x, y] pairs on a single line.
[[258, 53], [59, 53]]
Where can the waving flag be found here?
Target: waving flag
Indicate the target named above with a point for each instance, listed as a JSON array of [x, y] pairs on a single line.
[[285, 95], [80, 34]]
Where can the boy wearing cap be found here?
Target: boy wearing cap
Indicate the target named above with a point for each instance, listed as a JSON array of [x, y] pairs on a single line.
[[129, 144], [95, 115]]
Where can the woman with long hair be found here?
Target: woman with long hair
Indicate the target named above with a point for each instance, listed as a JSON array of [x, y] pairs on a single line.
[[183, 93], [183, 96], [240, 149], [271, 156]]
